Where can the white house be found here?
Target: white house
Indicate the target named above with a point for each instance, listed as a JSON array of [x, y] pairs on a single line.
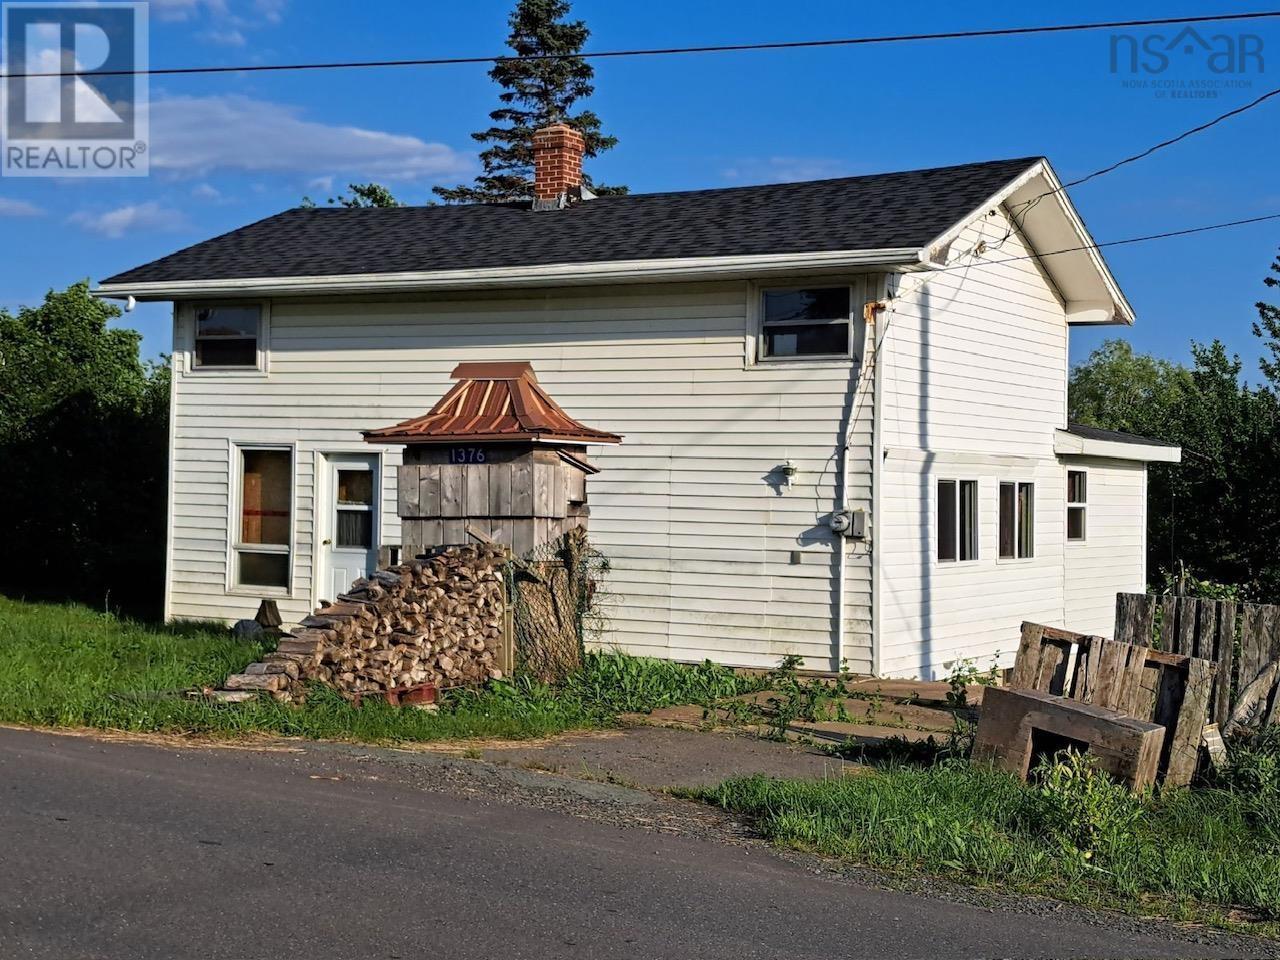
[[886, 354]]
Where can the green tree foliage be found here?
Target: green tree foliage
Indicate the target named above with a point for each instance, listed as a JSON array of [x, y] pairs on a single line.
[[362, 195], [1217, 514], [536, 92], [1268, 327], [83, 443]]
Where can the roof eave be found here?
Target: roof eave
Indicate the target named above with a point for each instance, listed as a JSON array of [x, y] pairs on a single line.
[[1066, 443], [1110, 308], [566, 274], [523, 437]]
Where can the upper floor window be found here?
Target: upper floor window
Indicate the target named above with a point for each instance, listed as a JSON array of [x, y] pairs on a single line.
[[1017, 520], [228, 336], [806, 322], [1077, 504]]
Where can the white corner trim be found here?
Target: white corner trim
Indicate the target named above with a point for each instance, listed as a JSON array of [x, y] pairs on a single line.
[[1068, 444], [568, 274]]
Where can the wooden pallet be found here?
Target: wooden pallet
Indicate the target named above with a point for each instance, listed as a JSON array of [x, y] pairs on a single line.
[[1168, 689]]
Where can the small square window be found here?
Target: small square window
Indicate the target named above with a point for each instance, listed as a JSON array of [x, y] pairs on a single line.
[[805, 322], [227, 336]]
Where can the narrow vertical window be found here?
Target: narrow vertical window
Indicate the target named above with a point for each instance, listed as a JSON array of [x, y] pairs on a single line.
[[266, 496], [968, 519], [947, 520], [957, 520], [1026, 520], [1017, 520], [1077, 504]]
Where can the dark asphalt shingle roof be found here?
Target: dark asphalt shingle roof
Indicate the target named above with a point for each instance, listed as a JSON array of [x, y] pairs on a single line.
[[853, 213], [1113, 436]]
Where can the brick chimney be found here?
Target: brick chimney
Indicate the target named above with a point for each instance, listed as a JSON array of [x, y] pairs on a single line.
[[557, 166]]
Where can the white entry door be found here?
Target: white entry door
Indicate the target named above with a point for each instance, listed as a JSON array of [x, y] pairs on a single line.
[[348, 521]]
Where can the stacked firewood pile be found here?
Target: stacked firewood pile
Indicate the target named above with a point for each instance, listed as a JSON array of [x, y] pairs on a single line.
[[438, 620]]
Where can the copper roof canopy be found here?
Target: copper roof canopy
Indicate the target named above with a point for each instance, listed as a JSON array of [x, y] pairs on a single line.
[[493, 402]]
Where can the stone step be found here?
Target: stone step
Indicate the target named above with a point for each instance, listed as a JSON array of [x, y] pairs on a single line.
[[233, 696], [285, 667]]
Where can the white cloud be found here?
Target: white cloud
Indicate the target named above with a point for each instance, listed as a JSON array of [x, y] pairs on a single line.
[[224, 38], [206, 191], [193, 136], [18, 208], [186, 9], [133, 217], [784, 169]]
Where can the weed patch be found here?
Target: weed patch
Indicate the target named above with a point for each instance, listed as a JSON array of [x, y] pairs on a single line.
[[1072, 834]]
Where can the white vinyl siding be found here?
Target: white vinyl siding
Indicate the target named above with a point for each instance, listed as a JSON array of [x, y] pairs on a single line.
[[974, 365], [690, 509], [1113, 556]]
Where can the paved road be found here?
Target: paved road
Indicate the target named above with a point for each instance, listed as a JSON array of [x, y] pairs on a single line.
[[123, 850]]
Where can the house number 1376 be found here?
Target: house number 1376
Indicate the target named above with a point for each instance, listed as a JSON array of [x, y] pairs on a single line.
[[466, 455]]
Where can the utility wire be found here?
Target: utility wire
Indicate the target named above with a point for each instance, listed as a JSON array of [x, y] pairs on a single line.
[[1024, 209], [666, 51], [1112, 243]]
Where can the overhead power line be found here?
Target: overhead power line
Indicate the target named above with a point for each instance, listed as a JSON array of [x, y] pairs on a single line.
[[1114, 243], [668, 51]]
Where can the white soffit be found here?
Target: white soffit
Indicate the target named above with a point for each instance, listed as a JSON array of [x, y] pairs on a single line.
[[1050, 225]]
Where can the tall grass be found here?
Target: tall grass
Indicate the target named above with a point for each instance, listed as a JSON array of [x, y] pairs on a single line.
[[71, 666], [1078, 837]]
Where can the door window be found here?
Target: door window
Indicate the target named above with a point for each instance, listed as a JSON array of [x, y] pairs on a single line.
[[354, 506]]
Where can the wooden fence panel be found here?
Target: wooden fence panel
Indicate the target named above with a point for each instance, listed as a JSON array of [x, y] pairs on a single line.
[[1223, 654], [1135, 618]]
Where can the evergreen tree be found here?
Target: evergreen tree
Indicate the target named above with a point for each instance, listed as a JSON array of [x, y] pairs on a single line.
[[536, 93], [362, 195]]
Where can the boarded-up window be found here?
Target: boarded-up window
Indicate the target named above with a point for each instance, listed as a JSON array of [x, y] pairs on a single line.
[[266, 498], [1077, 504], [806, 322], [227, 336], [1017, 520], [957, 519]]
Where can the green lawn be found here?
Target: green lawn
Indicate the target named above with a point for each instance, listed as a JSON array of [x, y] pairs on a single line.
[[66, 665], [1208, 854]]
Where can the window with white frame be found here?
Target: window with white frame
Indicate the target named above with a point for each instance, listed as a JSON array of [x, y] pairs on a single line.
[[1077, 504], [1017, 520], [957, 520], [265, 515], [799, 322], [228, 336]]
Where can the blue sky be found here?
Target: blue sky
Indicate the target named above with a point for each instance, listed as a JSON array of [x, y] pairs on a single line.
[[230, 149]]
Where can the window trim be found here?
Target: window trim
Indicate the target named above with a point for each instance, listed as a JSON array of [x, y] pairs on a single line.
[[977, 520], [1081, 505], [758, 291], [1018, 556], [260, 368], [235, 478]]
